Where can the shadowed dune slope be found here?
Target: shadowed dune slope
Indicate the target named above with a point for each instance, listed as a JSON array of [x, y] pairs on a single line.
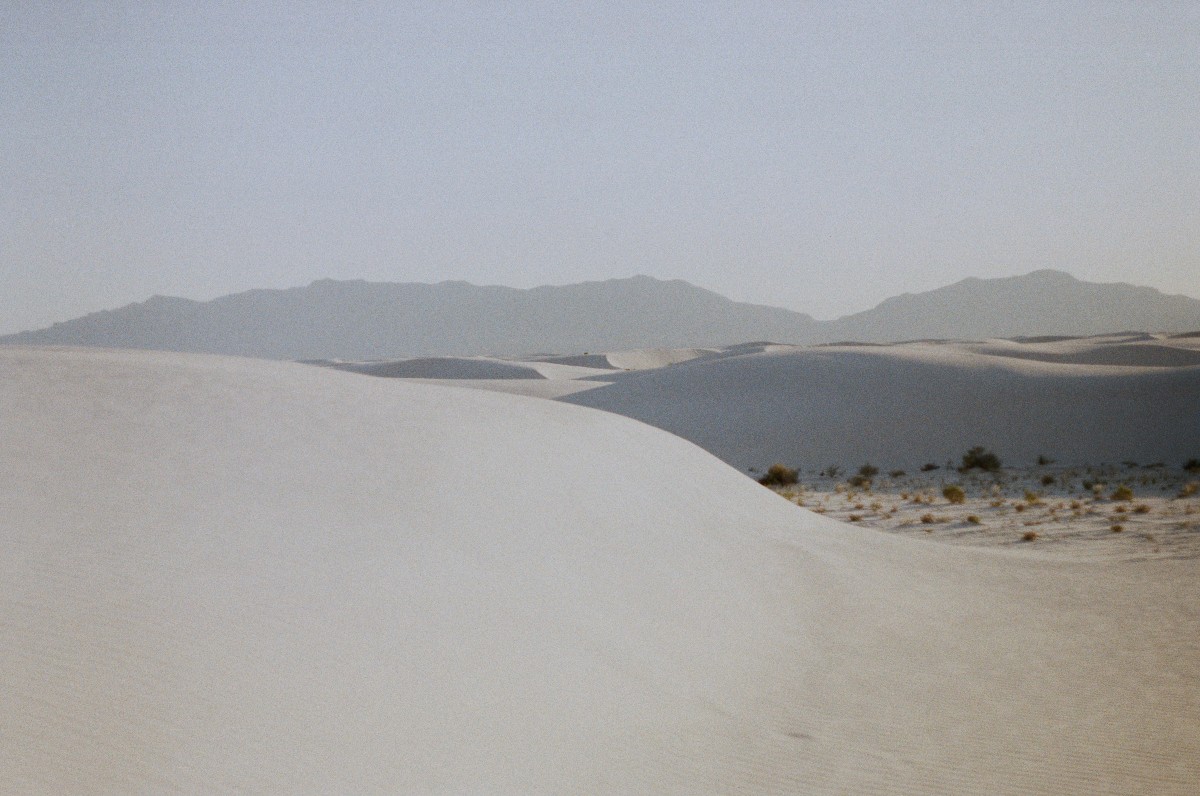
[[440, 368], [229, 575], [900, 406]]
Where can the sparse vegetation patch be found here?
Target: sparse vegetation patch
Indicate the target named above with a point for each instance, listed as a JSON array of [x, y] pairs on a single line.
[[997, 508], [779, 475], [980, 458]]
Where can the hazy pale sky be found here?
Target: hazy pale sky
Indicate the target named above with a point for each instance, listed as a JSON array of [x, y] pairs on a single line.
[[820, 156]]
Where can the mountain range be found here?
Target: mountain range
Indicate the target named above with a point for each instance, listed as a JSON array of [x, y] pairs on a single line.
[[355, 319]]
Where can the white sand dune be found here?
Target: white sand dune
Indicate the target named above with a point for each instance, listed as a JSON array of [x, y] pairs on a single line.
[[239, 576], [637, 359], [440, 368], [1143, 351], [549, 387], [903, 405]]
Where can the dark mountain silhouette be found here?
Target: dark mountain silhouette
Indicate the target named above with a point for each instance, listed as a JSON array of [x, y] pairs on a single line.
[[370, 320], [1040, 303], [363, 320]]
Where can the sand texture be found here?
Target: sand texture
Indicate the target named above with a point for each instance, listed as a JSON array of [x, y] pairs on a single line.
[[226, 575]]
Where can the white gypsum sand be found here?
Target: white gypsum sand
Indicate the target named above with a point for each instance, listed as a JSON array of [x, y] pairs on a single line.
[[232, 575]]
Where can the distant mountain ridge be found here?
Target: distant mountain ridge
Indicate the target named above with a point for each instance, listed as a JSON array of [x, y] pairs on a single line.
[[1043, 302], [355, 319]]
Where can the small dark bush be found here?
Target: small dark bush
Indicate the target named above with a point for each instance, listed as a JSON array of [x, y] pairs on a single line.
[[868, 471], [779, 475], [1192, 465], [981, 458], [954, 493], [858, 481], [1122, 493], [1044, 460], [1047, 480], [1029, 536], [832, 471], [896, 473], [929, 467]]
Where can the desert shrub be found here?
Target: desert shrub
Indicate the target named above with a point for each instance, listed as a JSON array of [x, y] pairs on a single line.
[[1047, 480], [1032, 498], [1019, 506], [1192, 465], [927, 518], [1119, 510], [1029, 536], [1044, 460], [859, 481], [1189, 489], [1116, 527], [954, 493], [929, 467], [896, 473], [973, 519], [779, 475], [1122, 493], [855, 518], [832, 471], [868, 471], [1141, 508], [980, 458]]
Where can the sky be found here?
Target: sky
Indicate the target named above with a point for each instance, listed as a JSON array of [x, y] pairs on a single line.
[[820, 156]]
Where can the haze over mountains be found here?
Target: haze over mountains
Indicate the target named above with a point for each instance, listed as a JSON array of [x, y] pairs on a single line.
[[362, 320]]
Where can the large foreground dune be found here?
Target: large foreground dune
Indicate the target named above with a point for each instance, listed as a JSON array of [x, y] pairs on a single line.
[[227, 575]]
